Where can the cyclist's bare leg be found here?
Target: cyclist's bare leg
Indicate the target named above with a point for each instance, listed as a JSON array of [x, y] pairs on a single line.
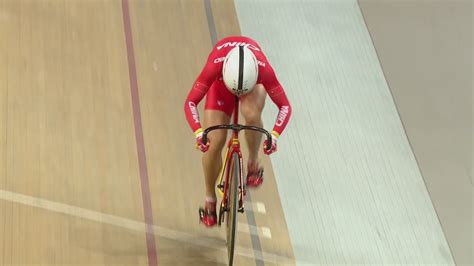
[[251, 108], [212, 159]]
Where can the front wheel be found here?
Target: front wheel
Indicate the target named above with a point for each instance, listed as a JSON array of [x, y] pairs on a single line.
[[232, 207]]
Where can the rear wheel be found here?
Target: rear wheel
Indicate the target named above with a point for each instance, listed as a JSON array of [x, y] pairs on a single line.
[[231, 218]]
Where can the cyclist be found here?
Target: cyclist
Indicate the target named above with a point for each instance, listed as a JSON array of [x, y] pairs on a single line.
[[236, 66]]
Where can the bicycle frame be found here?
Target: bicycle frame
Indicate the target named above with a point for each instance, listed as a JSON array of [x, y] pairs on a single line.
[[233, 147]]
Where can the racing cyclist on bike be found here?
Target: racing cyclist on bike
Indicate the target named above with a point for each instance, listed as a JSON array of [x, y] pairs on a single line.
[[226, 67]]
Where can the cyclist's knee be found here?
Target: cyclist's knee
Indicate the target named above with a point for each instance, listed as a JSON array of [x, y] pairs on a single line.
[[252, 115], [218, 139]]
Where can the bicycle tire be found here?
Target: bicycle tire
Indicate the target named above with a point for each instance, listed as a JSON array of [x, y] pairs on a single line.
[[232, 208]]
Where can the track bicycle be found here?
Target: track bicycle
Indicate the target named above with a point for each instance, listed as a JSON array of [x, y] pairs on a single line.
[[230, 184]]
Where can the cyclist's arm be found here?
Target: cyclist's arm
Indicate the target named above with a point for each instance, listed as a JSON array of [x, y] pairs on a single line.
[[278, 96], [197, 93]]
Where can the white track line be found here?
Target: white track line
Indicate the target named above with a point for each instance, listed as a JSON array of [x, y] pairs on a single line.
[[196, 240], [250, 229], [256, 207]]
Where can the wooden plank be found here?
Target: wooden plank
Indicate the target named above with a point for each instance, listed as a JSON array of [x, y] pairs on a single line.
[[70, 132]]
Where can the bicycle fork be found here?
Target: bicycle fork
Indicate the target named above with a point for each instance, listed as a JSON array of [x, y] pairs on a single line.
[[226, 172]]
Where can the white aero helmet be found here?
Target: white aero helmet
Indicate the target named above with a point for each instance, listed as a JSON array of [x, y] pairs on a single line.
[[240, 70]]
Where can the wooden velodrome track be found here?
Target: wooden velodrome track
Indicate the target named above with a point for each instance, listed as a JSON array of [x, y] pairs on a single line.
[[97, 164]]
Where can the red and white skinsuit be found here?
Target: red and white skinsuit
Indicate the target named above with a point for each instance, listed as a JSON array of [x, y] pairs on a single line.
[[220, 98]]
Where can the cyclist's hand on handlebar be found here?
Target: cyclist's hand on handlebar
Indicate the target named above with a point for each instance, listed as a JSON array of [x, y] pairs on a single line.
[[273, 148], [200, 144]]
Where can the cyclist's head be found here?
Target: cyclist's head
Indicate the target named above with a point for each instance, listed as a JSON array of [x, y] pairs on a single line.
[[240, 70]]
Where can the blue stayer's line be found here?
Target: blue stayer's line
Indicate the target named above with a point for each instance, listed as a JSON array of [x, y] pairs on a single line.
[[210, 21]]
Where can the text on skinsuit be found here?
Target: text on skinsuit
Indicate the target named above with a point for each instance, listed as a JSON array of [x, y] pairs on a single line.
[[218, 60], [233, 44], [282, 115], [194, 112]]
